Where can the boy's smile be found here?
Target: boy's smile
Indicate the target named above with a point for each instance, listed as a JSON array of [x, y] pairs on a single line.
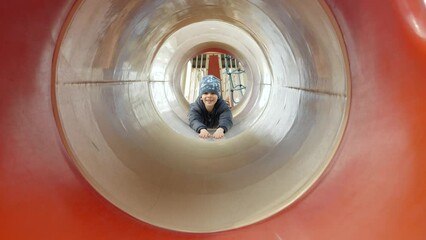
[[209, 100]]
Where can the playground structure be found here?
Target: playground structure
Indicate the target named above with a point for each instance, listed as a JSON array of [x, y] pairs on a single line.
[[369, 184], [231, 74]]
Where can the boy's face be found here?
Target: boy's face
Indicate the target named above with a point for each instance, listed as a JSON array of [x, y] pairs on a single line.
[[209, 99]]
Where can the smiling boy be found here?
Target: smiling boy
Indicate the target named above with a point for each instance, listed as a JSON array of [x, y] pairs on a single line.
[[210, 110]]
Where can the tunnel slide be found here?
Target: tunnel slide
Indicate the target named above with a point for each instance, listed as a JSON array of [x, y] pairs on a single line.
[[329, 143]]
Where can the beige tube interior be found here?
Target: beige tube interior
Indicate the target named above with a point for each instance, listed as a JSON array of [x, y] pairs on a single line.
[[123, 115]]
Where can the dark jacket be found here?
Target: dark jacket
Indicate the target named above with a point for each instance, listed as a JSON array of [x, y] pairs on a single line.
[[199, 118]]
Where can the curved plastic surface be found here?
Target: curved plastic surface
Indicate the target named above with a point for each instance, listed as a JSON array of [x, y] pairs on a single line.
[[374, 189], [124, 120]]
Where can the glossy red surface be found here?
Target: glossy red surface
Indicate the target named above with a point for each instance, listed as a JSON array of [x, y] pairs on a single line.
[[214, 66], [375, 188]]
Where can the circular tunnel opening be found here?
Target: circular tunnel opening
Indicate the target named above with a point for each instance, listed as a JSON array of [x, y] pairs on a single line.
[[230, 71], [123, 114]]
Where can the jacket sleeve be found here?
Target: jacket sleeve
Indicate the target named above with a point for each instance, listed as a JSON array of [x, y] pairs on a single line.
[[195, 119], [225, 119]]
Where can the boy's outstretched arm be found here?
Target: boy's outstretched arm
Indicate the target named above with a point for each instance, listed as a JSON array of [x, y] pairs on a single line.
[[225, 120], [195, 120]]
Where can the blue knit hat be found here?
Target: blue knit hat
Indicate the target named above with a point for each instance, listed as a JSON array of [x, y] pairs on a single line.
[[210, 84]]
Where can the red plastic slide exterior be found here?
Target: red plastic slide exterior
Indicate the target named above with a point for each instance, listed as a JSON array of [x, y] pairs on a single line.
[[375, 189]]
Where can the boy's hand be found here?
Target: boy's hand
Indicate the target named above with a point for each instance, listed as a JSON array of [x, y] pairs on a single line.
[[219, 133], [204, 134]]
